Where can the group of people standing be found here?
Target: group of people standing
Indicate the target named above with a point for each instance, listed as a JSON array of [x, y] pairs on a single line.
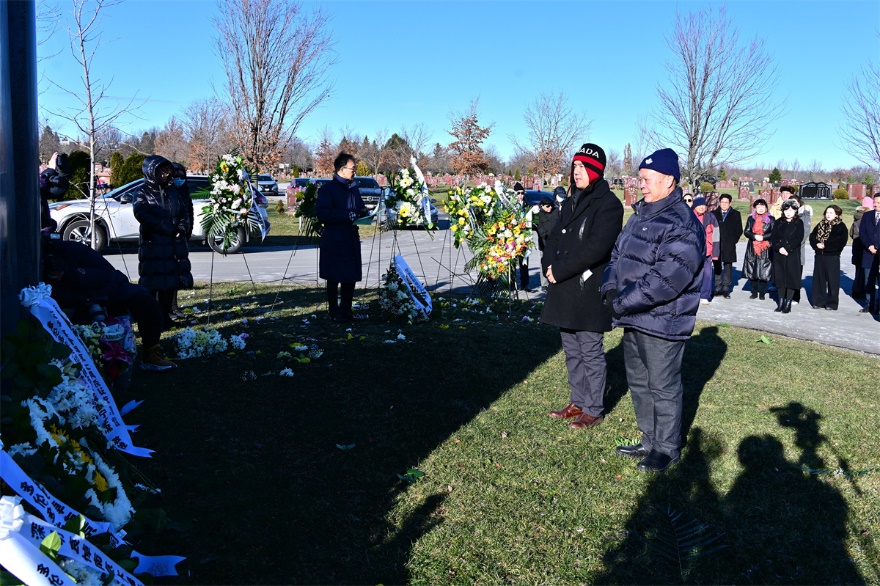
[[776, 248]]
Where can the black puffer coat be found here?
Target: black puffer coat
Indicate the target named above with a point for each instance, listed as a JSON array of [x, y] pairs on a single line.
[[338, 201], [787, 268], [166, 219], [582, 240], [656, 268]]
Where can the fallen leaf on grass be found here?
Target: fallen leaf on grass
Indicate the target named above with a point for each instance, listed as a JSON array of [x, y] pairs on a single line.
[[411, 475], [765, 339], [504, 434], [458, 441], [723, 325], [618, 477], [345, 447], [444, 326]]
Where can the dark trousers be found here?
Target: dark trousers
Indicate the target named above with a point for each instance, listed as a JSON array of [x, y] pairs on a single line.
[[585, 361], [723, 276], [166, 299], [522, 265], [144, 310], [873, 283], [826, 281], [653, 373], [343, 304]]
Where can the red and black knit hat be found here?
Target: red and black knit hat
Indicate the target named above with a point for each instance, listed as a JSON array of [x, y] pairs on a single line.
[[593, 158]]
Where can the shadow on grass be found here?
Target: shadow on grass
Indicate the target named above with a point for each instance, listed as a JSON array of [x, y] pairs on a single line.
[[775, 525], [294, 480]]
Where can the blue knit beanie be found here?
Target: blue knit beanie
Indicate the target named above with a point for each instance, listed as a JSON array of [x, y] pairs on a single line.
[[663, 161]]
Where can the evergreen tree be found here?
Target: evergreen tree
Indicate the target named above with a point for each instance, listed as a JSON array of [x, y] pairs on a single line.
[[775, 175], [116, 162]]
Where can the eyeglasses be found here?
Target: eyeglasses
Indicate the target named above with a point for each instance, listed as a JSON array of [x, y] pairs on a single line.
[[347, 169]]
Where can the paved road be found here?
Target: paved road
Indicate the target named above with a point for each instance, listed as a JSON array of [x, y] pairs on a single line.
[[441, 267]]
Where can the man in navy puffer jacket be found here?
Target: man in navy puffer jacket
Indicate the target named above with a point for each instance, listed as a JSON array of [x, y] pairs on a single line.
[[652, 286]]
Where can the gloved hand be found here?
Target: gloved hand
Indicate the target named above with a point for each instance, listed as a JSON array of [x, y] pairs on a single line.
[[608, 301]]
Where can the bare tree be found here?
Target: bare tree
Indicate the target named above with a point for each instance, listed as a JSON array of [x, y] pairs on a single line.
[[860, 130], [554, 130], [466, 150], [418, 137], [719, 99], [815, 169], [171, 142], [276, 59], [613, 163], [207, 132], [374, 155], [91, 115]]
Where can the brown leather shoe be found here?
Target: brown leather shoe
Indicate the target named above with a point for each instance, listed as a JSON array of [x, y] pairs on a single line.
[[570, 412], [585, 420]]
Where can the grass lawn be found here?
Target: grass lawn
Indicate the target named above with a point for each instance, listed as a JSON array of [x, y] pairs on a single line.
[[298, 480]]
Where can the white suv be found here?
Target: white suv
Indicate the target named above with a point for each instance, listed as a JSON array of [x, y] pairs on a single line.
[[115, 221]]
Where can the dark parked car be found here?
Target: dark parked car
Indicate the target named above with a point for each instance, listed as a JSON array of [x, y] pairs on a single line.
[[370, 191], [533, 196], [267, 185]]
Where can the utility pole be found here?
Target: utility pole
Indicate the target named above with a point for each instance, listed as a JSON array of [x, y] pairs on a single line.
[[19, 158]]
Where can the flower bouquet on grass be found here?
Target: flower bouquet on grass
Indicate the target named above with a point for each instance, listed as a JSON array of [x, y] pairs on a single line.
[[396, 298], [229, 204], [409, 200], [112, 347], [306, 211], [190, 343]]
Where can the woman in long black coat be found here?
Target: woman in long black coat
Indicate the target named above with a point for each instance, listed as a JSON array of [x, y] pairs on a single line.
[[759, 231], [828, 239], [788, 235], [575, 254], [338, 206], [166, 220]]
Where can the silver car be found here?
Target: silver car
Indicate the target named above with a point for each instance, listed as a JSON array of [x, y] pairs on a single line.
[[115, 221]]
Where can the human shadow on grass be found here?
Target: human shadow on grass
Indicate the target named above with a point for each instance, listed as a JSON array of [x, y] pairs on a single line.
[[775, 525], [296, 480]]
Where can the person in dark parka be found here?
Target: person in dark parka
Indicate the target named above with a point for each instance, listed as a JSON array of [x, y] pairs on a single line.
[[575, 254], [548, 215], [166, 219], [731, 228], [338, 206], [652, 286], [828, 239], [788, 234], [182, 187]]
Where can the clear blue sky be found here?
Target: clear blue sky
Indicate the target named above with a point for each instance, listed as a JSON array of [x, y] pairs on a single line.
[[408, 62]]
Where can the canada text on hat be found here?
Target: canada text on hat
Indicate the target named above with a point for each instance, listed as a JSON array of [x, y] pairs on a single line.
[[593, 158]]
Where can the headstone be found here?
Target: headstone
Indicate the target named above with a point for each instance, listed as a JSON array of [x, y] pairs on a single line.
[[766, 195], [745, 194], [815, 190], [630, 195], [875, 189], [856, 190]]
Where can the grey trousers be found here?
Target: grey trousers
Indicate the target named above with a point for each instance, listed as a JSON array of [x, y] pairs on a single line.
[[653, 373], [587, 371]]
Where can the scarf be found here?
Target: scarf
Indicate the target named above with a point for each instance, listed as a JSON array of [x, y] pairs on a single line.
[[758, 229], [823, 231]]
